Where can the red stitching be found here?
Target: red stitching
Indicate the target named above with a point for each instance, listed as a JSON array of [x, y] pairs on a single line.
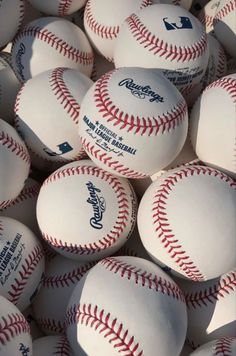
[[136, 124], [11, 326], [205, 19], [103, 323], [68, 51], [226, 10], [212, 293], [161, 223], [108, 32], [110, 161], [121, 220], [221, 66], [62, 347], [14, 146], [52, 325], [228, 84], [27, 268], [142, 277], [63, 94], [26, 193], [66, 279], [64, 7], [223, 346], [164, 49], [22, 14]]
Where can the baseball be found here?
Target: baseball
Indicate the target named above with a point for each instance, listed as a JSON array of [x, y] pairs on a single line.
[[216, 68], [223, 346], [133, 122], [102, 21], [34, 328], [212, 136], [184, 3], [59, 280], [11, 17], [61, 92], [225, 25], [207, 14], [9, 87], [21, 262], [211, 308], [23, 207], [58, 7], [47, 43], [90, 222], [15, 163], [15, 338], [100, 66], [166, 37], [180, 222], [52, 345], [137, 308]]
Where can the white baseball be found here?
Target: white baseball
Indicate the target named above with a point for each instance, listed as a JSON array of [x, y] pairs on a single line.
[[103, 19], [15, 335], [15, 164], [212, 136], [216, 68], [89, 222], [136, 307], [50, 42], [11, 17], [184, 3], [133, 122], [180, 222], [49, 125], [207, 14], [225, 25], [167, 37], [9, 87], [21, 262], [58, 7], [52, 345], [225, 346], [60, 278], [23, 207], [211, 308]]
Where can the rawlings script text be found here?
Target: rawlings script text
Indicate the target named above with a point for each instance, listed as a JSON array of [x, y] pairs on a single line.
[[141, 91], [98, 204], [19, 64]]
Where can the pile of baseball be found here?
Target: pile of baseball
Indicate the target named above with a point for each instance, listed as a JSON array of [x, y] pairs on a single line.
[[117, 177]]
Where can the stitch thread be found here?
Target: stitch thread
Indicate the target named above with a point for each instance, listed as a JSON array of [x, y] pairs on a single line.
[[226, 10], [65, 280], [103, 31], [213, 293], [223, 346], [11, 326], [162, 226], [136, 124], [104, 324], [228, 84], [142, 277], [64, 7], [27, 269], [14, 146], [62, 347], [110, 162], [51, 325], [63, 94], [168, 51], [121, 220], [26, 193], [58, 44]]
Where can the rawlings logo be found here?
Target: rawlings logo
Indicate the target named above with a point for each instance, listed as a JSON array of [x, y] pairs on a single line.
[[141, 91], [19, 65], [98, 204]]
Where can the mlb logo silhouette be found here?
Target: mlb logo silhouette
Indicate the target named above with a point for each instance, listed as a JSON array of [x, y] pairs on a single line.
[[184, 22], [63, 148]]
